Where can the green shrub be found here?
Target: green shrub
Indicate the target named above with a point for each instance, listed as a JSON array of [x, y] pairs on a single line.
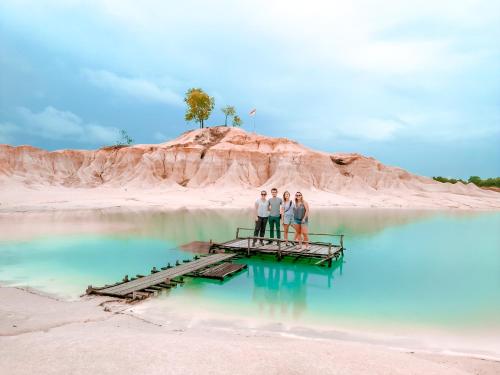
[[476, 180]]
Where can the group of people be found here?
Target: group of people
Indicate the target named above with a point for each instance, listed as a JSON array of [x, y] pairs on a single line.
[[275, 209]]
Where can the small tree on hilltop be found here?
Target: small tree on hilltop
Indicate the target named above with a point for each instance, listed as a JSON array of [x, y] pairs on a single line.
[[125, 139], [229, 111], [237, 121], [200, 105]]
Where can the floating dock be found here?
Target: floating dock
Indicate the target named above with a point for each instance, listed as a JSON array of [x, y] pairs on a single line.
[[144, 286], [216, 265], [320, 251]]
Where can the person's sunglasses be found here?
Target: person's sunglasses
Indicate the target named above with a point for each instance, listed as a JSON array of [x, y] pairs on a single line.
[[298, 195], [263, 193]]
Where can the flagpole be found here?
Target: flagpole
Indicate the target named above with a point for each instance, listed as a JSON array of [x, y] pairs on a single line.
[[252, 113]]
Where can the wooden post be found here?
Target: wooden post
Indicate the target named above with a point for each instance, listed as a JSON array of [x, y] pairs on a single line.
[[329, 249], [248, 247], [279, 250], [210, 243], [341, 241], [237, 232]]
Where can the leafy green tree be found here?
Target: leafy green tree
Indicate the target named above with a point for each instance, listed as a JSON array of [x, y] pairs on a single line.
[[475, 180], [237, 121], [125, 139], [200, 105], [229, 111], [492, 181]]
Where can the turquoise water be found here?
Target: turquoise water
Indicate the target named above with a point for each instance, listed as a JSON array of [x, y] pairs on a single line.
[[405, 268]]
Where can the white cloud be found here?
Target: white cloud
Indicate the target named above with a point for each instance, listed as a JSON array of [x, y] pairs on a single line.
[[55, 124], [135, 87], [369, 129], [339, 67], [452, 126]]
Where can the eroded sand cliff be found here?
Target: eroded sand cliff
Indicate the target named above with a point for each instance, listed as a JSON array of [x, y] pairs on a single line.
[[230, 159]]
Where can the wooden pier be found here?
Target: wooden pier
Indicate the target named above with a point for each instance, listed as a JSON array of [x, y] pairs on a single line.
[[249, 245], [144, 286], [215, 265]]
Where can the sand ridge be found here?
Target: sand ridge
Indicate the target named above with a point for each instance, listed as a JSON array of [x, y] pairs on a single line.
[[223, 164]]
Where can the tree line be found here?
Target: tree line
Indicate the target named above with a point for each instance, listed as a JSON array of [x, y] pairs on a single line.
[[476, 180]]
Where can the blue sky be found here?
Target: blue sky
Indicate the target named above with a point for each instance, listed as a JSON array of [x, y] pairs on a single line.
[[414, 84]]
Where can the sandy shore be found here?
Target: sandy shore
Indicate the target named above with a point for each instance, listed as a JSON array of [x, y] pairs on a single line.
[[51, 198], [44, 335]]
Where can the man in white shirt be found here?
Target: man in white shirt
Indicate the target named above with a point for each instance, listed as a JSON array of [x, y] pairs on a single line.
[[261, 216]]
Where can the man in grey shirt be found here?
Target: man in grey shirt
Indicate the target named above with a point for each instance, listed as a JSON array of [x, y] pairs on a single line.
[[275, 213]]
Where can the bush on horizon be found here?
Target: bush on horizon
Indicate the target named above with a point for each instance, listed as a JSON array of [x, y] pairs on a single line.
[[476, 180]]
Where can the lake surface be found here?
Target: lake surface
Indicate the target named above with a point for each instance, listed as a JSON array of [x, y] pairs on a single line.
[[402, 269]]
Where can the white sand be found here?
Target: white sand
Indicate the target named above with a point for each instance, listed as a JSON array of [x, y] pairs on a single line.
[[42, 335], [20, 198]]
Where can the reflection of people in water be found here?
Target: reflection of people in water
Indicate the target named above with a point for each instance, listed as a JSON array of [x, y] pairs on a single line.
[[279, 287]]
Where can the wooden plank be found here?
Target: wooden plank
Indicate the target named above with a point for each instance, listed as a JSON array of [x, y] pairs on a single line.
[[222, 270], [159, 277]]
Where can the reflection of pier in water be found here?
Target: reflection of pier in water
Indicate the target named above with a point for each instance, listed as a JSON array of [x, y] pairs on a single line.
[[282, 288]]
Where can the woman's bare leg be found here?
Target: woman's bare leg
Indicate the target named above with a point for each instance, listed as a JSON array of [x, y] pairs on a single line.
[[298, 235], [285, 231], [305, 233]]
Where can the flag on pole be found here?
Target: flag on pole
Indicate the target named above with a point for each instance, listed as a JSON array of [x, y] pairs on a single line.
[[252, 112]]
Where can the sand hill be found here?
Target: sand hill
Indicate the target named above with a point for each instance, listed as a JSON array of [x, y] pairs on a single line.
[[231, 159]]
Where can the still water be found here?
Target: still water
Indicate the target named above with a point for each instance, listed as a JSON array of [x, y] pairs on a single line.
[[402, 268]]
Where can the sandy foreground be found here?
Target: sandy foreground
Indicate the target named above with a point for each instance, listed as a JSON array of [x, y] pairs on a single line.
[[51, 198], [44, 335]]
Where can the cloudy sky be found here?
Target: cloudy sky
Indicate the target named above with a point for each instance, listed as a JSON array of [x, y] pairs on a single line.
[[412, 83]]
